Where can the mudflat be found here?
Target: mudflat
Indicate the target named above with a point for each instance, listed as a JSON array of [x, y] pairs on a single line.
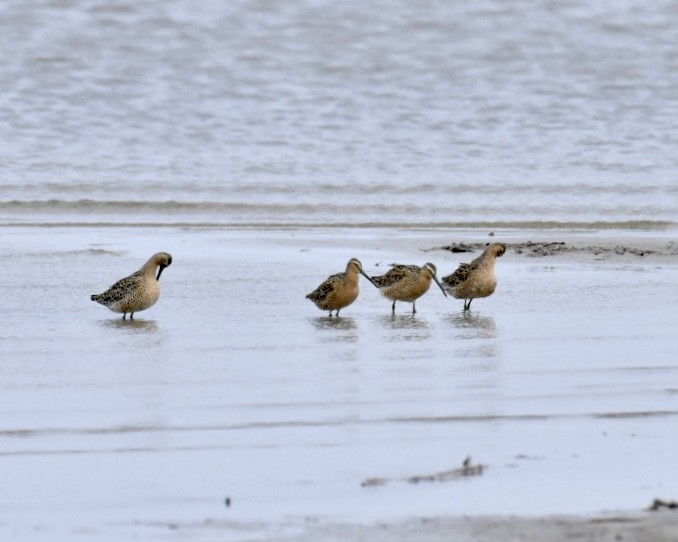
[[234, 409]]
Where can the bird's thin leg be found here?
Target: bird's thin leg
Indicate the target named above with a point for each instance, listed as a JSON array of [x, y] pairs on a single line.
[[393, 308], [131, 316], [124, 315], [414, 309]]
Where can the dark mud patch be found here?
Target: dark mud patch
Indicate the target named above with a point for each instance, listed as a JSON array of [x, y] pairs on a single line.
[[467, 469], [538, 249]]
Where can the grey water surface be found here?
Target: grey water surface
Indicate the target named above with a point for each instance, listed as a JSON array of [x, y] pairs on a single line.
[[312, 112]]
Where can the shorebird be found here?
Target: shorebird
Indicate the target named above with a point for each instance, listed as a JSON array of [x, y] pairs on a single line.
[[475, 279], [138, 291], [339, 290], [407, 283]]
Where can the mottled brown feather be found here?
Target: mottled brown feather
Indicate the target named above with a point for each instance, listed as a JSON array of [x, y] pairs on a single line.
[[407, 282], [339, 290], [475, 279], [397, 273], [460, 275], [138, 291]]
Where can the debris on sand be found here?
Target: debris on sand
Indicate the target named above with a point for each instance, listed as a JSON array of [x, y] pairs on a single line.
[[658, 504], [460, 247], [467, 469], [553, 248]]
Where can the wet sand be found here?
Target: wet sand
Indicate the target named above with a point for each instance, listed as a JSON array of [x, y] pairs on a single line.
[[627, 527], [561, 385]]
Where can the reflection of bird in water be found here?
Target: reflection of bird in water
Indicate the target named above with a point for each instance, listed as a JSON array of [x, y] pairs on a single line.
[[467, 320], [407, 283], [475, 335], [405, 328], [137, 292], [475, 279], [404, 321], [133, 326], [342, 324], [340, 290]]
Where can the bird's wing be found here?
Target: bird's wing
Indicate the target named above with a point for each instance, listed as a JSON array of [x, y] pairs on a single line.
[[459, 276], [119, 290], [397, 273], [326, 288]]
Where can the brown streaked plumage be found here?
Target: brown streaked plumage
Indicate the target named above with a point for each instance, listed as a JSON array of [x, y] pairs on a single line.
[[137, 292], [407, 283], [339, 290], [475, 279]]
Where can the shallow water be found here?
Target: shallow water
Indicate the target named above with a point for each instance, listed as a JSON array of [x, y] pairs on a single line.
[[234, 385], [532, 114]]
